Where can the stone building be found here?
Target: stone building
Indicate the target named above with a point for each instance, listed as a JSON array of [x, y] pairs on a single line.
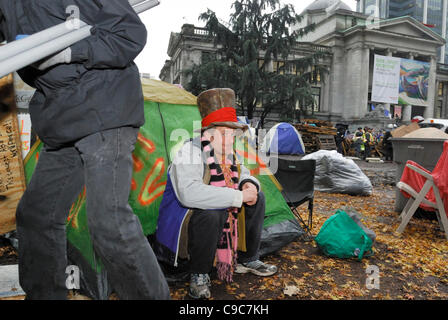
[[344, 94], [192, 46], [355, 38]]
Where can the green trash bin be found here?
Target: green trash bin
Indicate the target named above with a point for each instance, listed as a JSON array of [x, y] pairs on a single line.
[[425, 151]]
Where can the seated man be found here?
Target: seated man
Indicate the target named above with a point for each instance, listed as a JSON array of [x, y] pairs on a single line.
[[211, 203]]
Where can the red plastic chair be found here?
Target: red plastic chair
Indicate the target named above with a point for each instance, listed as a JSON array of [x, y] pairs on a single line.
[[425, 189]]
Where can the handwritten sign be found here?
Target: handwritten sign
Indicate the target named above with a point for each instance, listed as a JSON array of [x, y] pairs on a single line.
[[12, 177]]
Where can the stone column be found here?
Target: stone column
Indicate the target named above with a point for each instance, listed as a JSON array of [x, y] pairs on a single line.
[[356, 82], [325, 90], [425, 11], [389, 53], [407, 113], [445, 101], [444, 29], [407, 109], [429, 111], [336, 82]]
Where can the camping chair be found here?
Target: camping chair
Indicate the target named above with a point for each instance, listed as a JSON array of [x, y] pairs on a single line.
[[428, 190], [297, 179]]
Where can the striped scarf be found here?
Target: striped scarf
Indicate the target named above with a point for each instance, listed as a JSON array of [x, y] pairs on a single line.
[[225, 175]]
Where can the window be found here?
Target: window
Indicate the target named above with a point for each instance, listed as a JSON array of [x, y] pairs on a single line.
[[291, 69], [315, 107], [438, 110], [315, 75], [278, 67], [316, 96]]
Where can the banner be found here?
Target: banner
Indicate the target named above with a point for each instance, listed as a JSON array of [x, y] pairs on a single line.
[[414, 82], [400, 81], [386, 76], [12, 178]]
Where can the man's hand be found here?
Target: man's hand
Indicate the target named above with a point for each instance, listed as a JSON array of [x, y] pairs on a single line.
[[64, 56], [250, 194]]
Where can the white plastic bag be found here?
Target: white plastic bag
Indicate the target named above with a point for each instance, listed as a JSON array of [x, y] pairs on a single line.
[[336, 174]]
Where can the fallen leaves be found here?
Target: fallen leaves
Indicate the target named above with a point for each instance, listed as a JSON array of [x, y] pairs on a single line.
[[291, 291], [413, 265]]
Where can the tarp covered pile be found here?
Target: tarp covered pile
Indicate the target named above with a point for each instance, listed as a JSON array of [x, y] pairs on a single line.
[[336, 174]]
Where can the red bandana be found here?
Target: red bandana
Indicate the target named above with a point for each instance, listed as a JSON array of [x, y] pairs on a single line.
[[227, 114]]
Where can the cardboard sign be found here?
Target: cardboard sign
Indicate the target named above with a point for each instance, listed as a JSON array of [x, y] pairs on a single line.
[[12, 177], [25, 132]]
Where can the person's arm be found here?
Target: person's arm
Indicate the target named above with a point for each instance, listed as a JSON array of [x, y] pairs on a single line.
[[117, 37], [186, 174]]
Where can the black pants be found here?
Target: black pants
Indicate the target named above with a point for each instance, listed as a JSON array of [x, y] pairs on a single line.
[[103, 163], [205, 229]]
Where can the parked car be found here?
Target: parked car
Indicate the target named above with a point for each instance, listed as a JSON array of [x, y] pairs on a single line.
[[441, 124]]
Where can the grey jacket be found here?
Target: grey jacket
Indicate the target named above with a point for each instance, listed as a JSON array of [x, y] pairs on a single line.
[[186, 173]]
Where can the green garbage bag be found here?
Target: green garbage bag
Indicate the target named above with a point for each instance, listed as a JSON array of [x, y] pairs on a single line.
[[341, 237]]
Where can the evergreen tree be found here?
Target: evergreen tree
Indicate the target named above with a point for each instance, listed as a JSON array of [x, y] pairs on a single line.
[[259, 32]]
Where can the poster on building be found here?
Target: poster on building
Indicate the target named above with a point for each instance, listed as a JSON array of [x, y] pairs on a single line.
[[386, 76], [12, 177], [414, 82], [398, 111]]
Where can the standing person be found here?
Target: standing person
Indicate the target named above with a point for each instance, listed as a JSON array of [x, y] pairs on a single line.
[[397, 120], [369, 142], [87, 110], [387, 147], [225, 203], [359, 143]]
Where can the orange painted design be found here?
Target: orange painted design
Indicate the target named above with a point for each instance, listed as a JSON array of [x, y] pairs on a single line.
[[76, 208], [147, 144], [152, 188], [256, 158], [133, 185], [138, 164]]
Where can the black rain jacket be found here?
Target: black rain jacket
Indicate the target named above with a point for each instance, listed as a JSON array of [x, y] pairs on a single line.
[[101, 88]]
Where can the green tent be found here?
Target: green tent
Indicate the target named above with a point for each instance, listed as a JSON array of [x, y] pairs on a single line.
[[171, 117]]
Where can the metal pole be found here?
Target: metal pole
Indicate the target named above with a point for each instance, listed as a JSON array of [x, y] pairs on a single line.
[[44, 50], [141, 7], [35, 40]]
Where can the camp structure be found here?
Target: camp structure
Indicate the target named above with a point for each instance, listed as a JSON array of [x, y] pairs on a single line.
[[12, 177], [172, 117], [283, 138]]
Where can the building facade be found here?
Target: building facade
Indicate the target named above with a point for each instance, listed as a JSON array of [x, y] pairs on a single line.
[[344, 94], [192, 46], [432, 13]]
